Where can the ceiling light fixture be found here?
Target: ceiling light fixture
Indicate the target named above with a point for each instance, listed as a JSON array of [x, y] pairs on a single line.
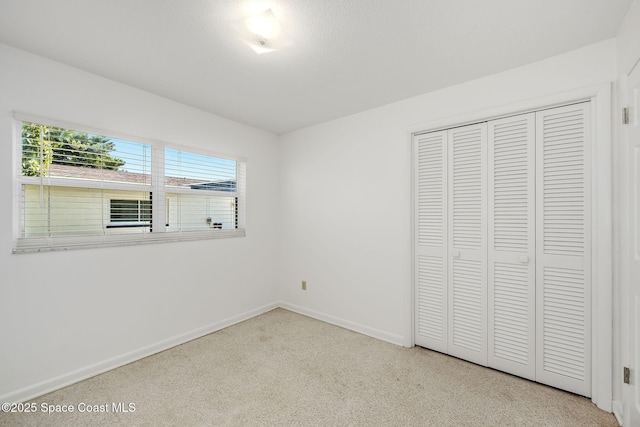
[[262, 32]]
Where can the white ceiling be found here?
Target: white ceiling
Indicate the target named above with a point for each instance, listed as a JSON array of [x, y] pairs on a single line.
[[348, 56]]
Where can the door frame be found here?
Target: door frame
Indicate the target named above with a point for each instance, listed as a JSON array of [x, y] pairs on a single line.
[[622, 407], [601, 227]]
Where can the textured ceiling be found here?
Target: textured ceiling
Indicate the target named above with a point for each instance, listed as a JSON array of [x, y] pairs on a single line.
[[348, 55]]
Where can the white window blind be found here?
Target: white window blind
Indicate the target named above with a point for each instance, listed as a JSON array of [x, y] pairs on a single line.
[[81, 189], [202, 191]]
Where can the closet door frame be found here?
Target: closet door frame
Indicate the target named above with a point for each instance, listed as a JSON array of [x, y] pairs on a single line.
[[601, 224]]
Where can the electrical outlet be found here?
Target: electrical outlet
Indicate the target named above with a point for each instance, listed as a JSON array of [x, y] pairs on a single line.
[[304, 285]]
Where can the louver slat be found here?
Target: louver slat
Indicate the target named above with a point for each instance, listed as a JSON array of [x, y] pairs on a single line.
[[563, 178], [432, 294], [467, 188], [430, 190], [511, 191], [564, 341], [467, 242], [511, 218], [511, 312], [467, 305], [563, 256], [430, 153]]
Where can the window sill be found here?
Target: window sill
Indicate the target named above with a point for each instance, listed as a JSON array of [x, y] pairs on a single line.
[[127, 224], [48, 244]]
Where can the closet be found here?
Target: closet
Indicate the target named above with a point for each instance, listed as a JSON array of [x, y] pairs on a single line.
[[502, 244]]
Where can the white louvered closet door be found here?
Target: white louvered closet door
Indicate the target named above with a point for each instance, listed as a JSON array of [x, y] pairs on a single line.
[[467, 240], [511, 245], [563, 261], [430, 154]]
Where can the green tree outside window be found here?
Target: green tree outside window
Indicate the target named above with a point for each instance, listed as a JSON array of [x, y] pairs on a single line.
[[44, 145]]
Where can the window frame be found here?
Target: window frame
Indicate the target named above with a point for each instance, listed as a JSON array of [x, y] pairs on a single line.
[[159, 200]]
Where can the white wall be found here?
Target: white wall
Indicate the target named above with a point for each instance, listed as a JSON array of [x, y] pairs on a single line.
[[65, 315], [346, 193]]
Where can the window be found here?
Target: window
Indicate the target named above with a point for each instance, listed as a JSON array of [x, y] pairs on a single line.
[[130, 213], [76, 189], [201, 187]]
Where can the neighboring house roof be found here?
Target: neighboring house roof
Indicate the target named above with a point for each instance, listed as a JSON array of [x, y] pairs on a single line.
[[64, 171]]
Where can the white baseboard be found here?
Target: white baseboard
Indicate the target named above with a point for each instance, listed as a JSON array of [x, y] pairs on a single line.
[[356, 327], [617, 411], [64, 380]]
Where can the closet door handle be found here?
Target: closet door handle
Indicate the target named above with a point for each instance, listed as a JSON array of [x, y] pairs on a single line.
[[455, 254], [523, 259]]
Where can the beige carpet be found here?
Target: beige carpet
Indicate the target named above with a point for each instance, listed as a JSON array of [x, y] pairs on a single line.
[[282, 368]]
